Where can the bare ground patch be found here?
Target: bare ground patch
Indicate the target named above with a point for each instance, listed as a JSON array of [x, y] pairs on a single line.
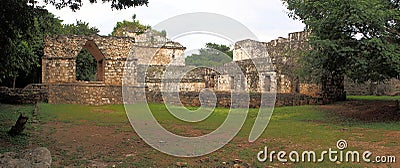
[[366, 111]]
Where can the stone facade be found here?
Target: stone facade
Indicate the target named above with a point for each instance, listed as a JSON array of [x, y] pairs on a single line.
[[223, 99], [156, 65]]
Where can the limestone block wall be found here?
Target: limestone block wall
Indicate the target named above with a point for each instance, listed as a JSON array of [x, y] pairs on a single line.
[[310, 89], [224, 99], [60, 52], [270, 69], [283, 53], [114, 71], [169, 53], [225, 83], [91, 94], [58, 70], [192, 80], [388, 88], [249, 49]]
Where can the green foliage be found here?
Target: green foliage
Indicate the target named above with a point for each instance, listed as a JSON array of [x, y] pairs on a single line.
[[359, 39], [133, 26], [115, 4], [212, 55], [86, 66], [136, 27], [79, 28], [220, 47], [16, 55], [21, 45]]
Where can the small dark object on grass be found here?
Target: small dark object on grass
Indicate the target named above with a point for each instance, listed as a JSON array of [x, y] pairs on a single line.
[[19, 125]]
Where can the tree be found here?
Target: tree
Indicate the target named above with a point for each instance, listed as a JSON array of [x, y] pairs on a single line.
[[359, 39], [212, 55], [133, 26], [115, 4], [220, 47], [86, 65], [45, 23], [17, 31], [21, 47], [79, 28]]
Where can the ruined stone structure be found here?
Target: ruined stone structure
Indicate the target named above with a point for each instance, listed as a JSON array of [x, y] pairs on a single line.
[[257, 67]]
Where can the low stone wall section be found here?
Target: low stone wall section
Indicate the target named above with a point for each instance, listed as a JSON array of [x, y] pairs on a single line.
[[224, 99]]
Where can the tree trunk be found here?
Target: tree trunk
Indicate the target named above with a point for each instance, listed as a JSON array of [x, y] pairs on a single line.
[[19, 125], [13, 86], [333, 89]]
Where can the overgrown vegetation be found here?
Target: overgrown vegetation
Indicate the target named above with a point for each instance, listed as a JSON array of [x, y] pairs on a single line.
[[359, 39], [212, 55], [21, 47]]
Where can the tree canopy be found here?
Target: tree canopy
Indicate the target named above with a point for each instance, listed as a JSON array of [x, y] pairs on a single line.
[[21, 45], [115, 4], [134, 26], [22, 37], [212, 55], [359, 39]]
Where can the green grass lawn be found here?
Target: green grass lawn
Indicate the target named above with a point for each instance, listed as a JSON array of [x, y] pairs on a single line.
[[290, 128]]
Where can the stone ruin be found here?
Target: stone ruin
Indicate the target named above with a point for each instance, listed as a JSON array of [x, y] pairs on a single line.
[[269, 64], [267, 67]]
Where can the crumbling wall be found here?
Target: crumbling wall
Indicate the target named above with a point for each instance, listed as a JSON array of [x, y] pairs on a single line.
[[169, 53], [85, 93], [224, 99], [388, 88], [154, 66], [60, 52], [282, 55]]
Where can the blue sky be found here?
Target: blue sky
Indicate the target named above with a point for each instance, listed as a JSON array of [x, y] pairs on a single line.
[[267, 19]]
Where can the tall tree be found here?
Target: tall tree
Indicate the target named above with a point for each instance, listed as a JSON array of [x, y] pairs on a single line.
[[16, 30], [212, 55], [45, 23], [359, 39]]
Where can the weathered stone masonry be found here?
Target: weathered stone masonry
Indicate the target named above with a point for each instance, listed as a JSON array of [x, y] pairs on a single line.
[[111, 54], [267, 67]]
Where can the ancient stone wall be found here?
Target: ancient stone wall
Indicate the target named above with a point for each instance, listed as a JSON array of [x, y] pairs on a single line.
[[169, 53], [31, 94], [282, 55], [59, 61], [224, 99], [92, 94], [60, 55], [156, 64], [388, 88]]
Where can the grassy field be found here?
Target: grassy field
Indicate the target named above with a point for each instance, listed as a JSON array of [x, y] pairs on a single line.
[[80, 135]]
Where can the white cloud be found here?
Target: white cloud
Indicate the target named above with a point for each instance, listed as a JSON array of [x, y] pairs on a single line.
[[266, 18]]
